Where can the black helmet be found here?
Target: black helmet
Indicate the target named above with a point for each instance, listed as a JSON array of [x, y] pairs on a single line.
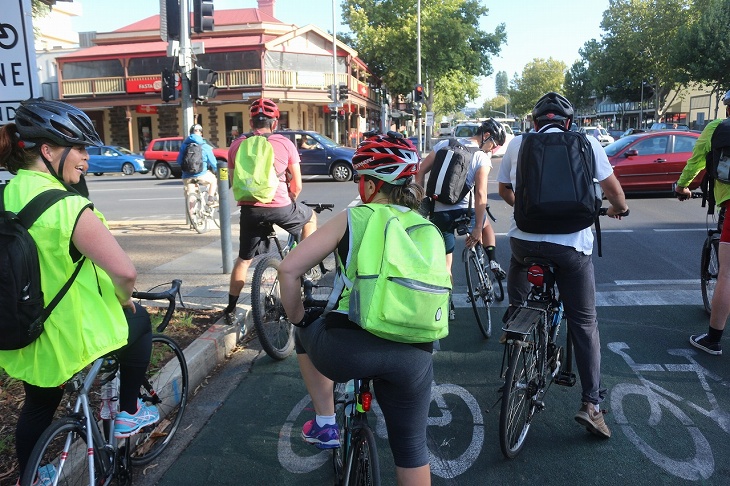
[[494, 129], [552, 107], [726, 98], [61, 123]]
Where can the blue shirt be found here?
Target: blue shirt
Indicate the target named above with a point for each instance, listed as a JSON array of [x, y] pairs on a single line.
[[208, 157]]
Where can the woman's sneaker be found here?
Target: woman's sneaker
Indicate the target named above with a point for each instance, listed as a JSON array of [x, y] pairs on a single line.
[[327, 437], [701, 341], [45, 476], [126, 425]]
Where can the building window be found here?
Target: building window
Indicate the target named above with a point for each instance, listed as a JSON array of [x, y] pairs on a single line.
[[93, 69], [143, 66]]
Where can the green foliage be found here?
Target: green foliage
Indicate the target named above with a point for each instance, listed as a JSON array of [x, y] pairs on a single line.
[[453, 47], [501, 83], [538, 77], [493, 106]]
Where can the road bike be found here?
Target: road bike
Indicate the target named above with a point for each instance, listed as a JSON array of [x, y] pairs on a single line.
[[356, 460], [483, 287], [82, 449], [202, 213], [274, 330]]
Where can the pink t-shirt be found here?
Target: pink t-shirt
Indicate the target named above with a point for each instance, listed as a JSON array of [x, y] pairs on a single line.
[[285, 156]]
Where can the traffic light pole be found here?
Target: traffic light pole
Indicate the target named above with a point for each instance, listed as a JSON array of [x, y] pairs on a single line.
[[335, 127], [186, 66]]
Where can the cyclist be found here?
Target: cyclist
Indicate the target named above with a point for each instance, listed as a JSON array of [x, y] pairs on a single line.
[[283, 210], [402, 372], [572, 255], [46, 148], [710, 341], [488, 136], [206, 176]]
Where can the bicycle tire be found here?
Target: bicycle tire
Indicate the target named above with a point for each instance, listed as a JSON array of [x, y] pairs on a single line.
[[710, 267], [168, 381], [339, 454], [215, 215], [518, 406], [75, 470], [274, 331], [362, 460], [480, 292], [198, 219]]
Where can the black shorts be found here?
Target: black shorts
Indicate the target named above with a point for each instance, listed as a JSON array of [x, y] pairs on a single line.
[[255, 226]]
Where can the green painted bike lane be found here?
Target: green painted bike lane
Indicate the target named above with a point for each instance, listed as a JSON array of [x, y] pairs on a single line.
[[668, 408]]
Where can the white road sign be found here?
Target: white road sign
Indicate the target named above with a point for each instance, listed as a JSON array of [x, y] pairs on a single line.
[[18, 74]]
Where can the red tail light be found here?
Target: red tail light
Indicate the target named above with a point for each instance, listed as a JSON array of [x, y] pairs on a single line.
[[535, 275], [366, 399]]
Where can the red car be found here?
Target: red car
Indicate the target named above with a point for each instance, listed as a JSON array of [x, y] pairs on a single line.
[[161, 156], [652, 161]]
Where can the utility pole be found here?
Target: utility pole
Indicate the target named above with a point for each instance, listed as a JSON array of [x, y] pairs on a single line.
[[420, 111], [186, 66], [335, 127]]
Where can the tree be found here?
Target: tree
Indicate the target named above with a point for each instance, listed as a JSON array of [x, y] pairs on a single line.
[[538, 77], [493, 107], [453, 48], [40, 8], [577, 86], [501, 83]]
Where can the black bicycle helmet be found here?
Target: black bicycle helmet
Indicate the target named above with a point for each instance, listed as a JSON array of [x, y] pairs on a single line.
[[61, 123], [726, 98], [494, 129], [552, 107]]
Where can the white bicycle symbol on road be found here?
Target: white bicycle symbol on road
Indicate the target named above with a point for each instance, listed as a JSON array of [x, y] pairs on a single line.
[[700, 464], [8, 36], [449, 399]]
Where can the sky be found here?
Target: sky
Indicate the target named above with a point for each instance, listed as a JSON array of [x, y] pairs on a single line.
[[535, 28]]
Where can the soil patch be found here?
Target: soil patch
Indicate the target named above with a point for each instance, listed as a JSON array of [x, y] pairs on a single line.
[[185, 326]]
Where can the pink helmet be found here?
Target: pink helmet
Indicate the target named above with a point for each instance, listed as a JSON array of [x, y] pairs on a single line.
[[389, 158]]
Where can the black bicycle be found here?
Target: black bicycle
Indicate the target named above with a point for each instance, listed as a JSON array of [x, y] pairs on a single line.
[[272, 326]]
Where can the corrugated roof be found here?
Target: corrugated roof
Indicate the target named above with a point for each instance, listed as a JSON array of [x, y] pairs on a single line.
[[221, 18]]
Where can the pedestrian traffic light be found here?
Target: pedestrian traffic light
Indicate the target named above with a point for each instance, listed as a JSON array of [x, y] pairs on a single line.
[[418, 93], [341, 115], [343, 92], [203, 15], [169, 88], [170, 20], [202, 83]]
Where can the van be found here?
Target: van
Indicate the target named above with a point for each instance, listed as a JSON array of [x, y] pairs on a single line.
[[445, 129]]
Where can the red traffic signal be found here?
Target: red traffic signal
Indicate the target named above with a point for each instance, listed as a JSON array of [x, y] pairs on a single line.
[[418, 93]]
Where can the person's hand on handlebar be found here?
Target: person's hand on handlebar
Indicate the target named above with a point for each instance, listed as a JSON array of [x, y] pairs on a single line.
[[611, 212], [683, 193]]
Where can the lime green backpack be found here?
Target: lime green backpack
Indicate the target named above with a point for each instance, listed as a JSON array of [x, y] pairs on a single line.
[[401, 285], [254, 176]]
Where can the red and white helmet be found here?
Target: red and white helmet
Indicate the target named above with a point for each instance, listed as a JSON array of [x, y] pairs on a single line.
[[265, 107], [389, 158]]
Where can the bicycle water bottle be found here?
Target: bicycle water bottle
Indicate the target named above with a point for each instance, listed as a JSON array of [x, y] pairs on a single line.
[[557, 314], [109, 398], [349, 397]]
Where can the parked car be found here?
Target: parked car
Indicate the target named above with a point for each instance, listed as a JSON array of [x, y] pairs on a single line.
[[161, 156], [652, 161], [668, 126], [321, 155], [444, 129], [631, 131], [113, 158], [616, 134], [603, 136]]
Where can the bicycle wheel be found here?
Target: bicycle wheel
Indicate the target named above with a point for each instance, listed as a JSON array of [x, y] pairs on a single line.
[[166, 387], [518, 406], [67, 437], [709, 270], [196, 212], [480, 292], [275, 332], [362, 461], [339, 454], [215, 216]]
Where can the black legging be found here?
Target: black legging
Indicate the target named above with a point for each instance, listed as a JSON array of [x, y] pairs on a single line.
[[41, 403]]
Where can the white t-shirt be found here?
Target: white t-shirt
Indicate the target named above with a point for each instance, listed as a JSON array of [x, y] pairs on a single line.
[[582, 240], [478, 160]]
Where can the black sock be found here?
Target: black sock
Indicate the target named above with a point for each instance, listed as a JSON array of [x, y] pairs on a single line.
[[714, 335], [232, 301], [491, 250]]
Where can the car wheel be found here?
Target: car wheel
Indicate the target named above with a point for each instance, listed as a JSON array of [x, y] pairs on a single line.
[[162, 170], [127, 168], [341, 172], [98, 173]]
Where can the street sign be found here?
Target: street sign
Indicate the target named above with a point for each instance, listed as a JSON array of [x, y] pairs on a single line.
[[18, 74], [429, 118]]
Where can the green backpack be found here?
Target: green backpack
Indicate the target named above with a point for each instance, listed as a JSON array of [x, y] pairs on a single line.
[[254, 177], [401, 285]]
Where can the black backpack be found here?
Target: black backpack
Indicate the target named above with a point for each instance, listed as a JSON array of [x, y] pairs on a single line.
[[556, 192], [22, 315], [447, 179], [192, 161], [718, 159]]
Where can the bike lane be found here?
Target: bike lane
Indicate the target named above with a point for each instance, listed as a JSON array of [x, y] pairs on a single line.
[[669, 412]]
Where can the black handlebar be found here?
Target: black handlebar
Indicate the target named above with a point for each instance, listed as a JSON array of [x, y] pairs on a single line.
[[170, 295], [319, 207], [604, 212]]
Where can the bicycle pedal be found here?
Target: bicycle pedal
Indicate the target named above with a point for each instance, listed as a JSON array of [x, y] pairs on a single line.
[[565, 379], [539, 405]]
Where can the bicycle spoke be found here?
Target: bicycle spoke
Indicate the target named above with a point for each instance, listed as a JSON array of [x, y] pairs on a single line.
[[480, 292]]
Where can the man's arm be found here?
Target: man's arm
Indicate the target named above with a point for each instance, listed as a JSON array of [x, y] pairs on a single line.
[[210, 159], [615, 194], [697, 161], [507, 193], [481, 179], [295, 183], [425, 168]]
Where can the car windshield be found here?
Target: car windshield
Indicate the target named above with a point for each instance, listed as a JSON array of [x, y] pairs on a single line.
[[323, 139], [620, 144], [123, 150], [465, 131]]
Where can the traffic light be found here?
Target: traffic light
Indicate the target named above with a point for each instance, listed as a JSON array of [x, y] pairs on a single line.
[[341, 115], [418, 93], [343, 92], [169, 88], [333, 92], [170, 20], [202, 83], [203, 15]]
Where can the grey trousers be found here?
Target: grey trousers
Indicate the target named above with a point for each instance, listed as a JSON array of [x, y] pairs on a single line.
[[577, 286]]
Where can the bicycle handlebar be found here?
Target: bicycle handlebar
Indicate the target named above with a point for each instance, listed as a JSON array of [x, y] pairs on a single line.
[[319, 207], [604, 212], [170, 295]]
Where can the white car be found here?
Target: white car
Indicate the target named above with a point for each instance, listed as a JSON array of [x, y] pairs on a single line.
[[603, 136]]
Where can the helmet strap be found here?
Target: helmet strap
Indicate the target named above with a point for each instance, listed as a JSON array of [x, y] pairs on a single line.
[[361, 190], [53, 172]]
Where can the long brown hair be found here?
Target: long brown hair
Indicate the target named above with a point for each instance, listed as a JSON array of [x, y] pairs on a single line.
[[13, 156]]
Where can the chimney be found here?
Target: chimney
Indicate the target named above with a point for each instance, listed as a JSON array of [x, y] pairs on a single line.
[[267, 6]]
